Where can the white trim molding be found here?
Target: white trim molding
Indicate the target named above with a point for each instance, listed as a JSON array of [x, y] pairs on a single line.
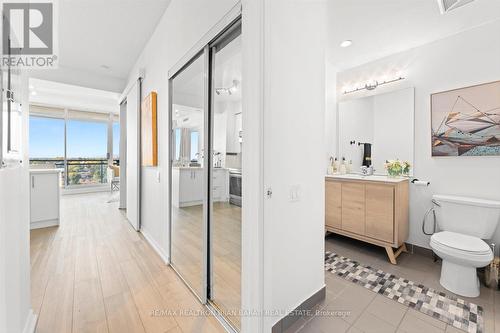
[[31, 320], [155, 246]]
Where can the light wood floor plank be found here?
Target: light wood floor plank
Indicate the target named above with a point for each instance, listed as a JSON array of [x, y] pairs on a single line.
[[94, 273]]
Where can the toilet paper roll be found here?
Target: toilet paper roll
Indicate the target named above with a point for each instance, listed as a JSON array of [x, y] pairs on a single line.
[[421, 183]]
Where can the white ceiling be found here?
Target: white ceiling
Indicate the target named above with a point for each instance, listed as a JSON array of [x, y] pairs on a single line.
[[49, 93], [379, 28], [93, 33]]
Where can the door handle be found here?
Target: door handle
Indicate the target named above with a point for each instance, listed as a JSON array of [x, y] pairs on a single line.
[[32, 181]]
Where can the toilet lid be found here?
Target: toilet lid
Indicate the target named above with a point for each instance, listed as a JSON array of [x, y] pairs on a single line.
[[461, 242]]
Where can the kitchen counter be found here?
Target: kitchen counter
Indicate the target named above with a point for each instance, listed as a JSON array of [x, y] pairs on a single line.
[[44, 171], [373, 178]]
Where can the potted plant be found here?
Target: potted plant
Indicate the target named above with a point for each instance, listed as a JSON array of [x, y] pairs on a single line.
[[394, 168]]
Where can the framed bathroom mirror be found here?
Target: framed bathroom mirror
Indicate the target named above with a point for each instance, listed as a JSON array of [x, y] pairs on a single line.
[[377, 128]]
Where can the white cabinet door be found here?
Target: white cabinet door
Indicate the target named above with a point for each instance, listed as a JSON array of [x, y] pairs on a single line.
[[190, 187], [220, 184], [44, 197], [185, 186], [198, 192]]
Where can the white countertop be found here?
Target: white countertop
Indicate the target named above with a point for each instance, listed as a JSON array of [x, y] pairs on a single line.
[[196, 168], [40, 171], [374, 178]]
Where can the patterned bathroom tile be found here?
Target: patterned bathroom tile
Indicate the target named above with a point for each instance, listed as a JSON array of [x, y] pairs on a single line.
[[433, 307]]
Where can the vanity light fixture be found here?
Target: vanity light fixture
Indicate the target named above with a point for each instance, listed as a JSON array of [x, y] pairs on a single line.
[[372, 85], [346, 43]]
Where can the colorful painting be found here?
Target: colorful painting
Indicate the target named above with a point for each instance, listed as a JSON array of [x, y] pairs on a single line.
[[466, 121], [149, 140]]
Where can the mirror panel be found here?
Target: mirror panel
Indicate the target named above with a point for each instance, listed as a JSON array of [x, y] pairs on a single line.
[[379, 126]]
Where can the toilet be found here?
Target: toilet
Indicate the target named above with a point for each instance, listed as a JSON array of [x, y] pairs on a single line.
[[463, 223]]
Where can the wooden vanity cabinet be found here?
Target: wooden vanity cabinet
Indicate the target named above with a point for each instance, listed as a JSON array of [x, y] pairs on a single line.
[[372, 211]]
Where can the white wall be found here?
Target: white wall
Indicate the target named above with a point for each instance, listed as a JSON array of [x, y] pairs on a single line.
[[293, 134], [133, 158], [15, 302], [330, 127], [294, 146], [465, 59]]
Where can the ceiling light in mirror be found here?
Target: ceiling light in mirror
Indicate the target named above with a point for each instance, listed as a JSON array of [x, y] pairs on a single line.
[[346, 43]]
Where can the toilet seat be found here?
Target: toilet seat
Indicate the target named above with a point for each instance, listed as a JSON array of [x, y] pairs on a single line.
[[460, 245]]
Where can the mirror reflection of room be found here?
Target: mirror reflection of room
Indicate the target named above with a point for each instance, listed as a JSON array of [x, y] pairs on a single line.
[[375, 129]]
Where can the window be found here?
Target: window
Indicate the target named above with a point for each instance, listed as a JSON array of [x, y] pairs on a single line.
[[75, 142], [116, 140], [46, 138], [195, 136], [87, 140], [87, 146], [177, 144], [47, 144]]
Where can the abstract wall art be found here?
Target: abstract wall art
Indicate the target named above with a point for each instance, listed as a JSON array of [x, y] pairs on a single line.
[[466, 121], [149, 139]]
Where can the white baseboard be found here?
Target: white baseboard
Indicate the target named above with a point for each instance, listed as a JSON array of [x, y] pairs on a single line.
[[44, 224], [155, 246], [30, 325]]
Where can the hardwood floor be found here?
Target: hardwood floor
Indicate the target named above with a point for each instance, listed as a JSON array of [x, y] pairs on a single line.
[[94, 273], [187, 253]]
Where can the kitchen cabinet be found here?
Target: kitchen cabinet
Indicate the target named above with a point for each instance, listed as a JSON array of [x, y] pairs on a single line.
[[220, 185], [44, 198], [188, 186], [373, 211]]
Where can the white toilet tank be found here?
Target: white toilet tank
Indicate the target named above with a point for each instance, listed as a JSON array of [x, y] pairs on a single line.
[[468, 216]]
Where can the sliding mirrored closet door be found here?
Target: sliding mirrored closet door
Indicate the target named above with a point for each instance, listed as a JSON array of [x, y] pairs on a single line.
[[226, 151], [205, 174], [188, 169]]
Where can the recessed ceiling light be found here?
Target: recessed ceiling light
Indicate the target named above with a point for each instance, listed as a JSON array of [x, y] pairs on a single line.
[[33, 93], [346, 43]]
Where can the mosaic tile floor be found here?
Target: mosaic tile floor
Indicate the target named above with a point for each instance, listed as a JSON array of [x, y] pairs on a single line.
[[452, 310]]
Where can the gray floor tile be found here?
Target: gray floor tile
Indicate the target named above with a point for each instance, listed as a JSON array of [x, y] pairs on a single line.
[[414, 324], [388, 310], [451, 329], [417, 267], [297, 326], [353, 299], [368, 323], [325, 325]]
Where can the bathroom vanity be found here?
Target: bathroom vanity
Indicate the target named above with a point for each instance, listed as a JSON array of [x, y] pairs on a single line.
[[373, 209]]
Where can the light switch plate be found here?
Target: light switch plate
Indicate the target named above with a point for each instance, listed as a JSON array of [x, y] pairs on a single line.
[[295, 193]]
